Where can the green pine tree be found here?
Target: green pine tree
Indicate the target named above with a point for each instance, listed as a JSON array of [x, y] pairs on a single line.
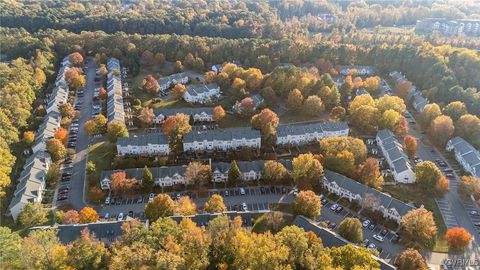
[[147, 178], [234, 173]]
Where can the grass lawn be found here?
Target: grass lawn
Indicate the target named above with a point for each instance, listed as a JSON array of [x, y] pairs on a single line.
[[300, 117], [170, 103], [101, 154], [412, 193], [234, 121]]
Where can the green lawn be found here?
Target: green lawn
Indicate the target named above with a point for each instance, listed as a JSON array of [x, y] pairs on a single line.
[[412, 193], [300, 117], [102, 155]]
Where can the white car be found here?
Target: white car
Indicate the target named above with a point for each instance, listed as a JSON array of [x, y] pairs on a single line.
[[107, 200], [371, 245], [334, 207], [366, 223], [150, 197], [120, 217], [378, 237], [244, 205], [242, 191]]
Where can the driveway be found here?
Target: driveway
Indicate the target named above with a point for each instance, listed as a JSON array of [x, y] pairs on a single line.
[[77, 182]]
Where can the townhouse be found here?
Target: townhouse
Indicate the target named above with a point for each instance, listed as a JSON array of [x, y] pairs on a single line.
[[361, 70], [397, 160], [147, 144], [222, 139], [166, 82], [258, 101], [466, 155], [352, 190], [46, 131], [299, 134], [115, 108], [415, 96], [58, 97], [175, 175], [201, 93], [201, 114], [31, 183], [217, 68]]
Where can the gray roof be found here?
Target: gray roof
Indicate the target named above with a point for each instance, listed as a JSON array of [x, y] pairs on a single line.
[[146, 139], [394, 151], [170, 78], [187, 111], [461, 146], [115, 109], [222, 134], [47, 128], [302, 128], [258, 99], [384, 133], [358, 188], [331, 239], [199, 89]]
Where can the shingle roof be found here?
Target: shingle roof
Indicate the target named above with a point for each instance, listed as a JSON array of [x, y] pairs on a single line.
[[195, 90], [394, 151], [146, 139], [115, 109], [47, 128], [302, 128], [187, 111], [170, 78], [222, 134]]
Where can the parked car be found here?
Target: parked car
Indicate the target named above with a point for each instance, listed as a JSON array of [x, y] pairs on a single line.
[[371, 245], [107, 200], [473, 213], [120, 217], [334, 207], [339, 209], [378, 237], [226, 193], [262, 190], [366, 223], [150, 197], [372, 226], [242, 191], [244, 206]]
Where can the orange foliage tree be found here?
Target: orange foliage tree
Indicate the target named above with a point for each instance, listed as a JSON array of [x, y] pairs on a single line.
[[410, 145], [178, 91], [218, 113], [29, 137], [61, 134], [88, 215], [442, 186], [458, 238], [120, 182], [70, 217]]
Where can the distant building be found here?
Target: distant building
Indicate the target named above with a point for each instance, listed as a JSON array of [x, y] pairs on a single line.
[[115, 108], [257, 99], [222, 139], [147, 144], [201, 93], [299, 134], [166, 82], [397, 160], [361, 70], [201, 114], [217, 68], [446, 27], [466, 155]]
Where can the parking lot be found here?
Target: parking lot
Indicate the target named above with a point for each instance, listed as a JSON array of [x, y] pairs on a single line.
[[388, 248]]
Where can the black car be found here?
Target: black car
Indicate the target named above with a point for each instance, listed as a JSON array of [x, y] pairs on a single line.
[[262, 190], [339, 209], [372, 226]]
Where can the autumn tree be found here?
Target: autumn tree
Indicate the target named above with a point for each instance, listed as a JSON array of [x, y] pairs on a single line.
[[71, 217], [43, 249], [175, 126], [267, 121], [146, 116], [247, 107], [430, 112], [87, 252], [96, 126], [346, 88], [102, 70], [365, 119], [442, 186], [218, 113], [209, 76], [410, 146], [215, 204], [306, 169], [116, 129], [33, 214], [119, 183], [88, 215], [468, 186], [76, 59], [410, 259], [342, 162], [335, 145], [178, 66], [389, 119], [238, 84], [148, 58], [234, 174], [455, 110], [369, 173], [102, 93], [352, 257], [419, 227], [178, 91], [351, 229], [61, 134], [74, 79], [28, 137], [295, 100], [458, 238], [314, 106], [468, 127], [185, 206], [160, 59], [56, 149], [150, 85], [330, 96], [337, 114], [307, 203], [67, 111], [427, 174], [372, 84], [198, 174], [96, 194], [160, 206], [274, 172], [402, 89], [441, 130], [147, 179]]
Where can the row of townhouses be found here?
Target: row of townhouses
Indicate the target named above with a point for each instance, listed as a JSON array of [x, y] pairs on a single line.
[[230, 138], [352, 190], [449, 27], [166, 82], [115, 109], [202, 114], [415, 95], [201, 93], [175, 175], [397, 160], [466, 155], [31, 183], [361, 70]]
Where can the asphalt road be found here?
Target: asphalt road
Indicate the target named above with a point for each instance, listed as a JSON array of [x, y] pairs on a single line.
[[77, 182]]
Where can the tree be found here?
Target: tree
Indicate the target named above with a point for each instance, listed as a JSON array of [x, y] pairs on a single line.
[[306, 169], [410, 259], [218, 113], [458, 238], [419, 227], [88, 215], [373, 85], [102, 93], [349, 256], [61, 134], [74, 79], [70, 217], [274, 172], [410, 146], [11, 244], [234, 174], [33, 214], [56, 149], [307, 203], [160, 206], [198, 174], [337, 114], [441, 130], [468, 186], [238, 84], [430, 112], [402, 89], [314, 106], [351, 229], [335, 145], [295, 100], [67, 110], [102, 70], [185, 207], [160, 59], [175, 126], [95, 194], [329, 96], [76, 59], [369, 173], [346, 88], [365, 119], [215, 204], [148, 58], [442, 186], [150, 85], [427, 174], [87, 252], [178, 66], [96, 126], [387, 102], [147, 179], [178, 91], [455, 110], [146, 116], [42, 250], [267, 121], [115, 130], [209, 76], [359, 101], [468, 127], [389, 119], [247, 107], [119, 183], [342, 162], [28, 137]]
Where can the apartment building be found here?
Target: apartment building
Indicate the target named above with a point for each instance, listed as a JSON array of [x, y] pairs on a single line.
[[300, 134], [201, 114], [222, 139], [466, 155], [201, 93], [147, 144], [169, 81], [397, 160], [115, 108]]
